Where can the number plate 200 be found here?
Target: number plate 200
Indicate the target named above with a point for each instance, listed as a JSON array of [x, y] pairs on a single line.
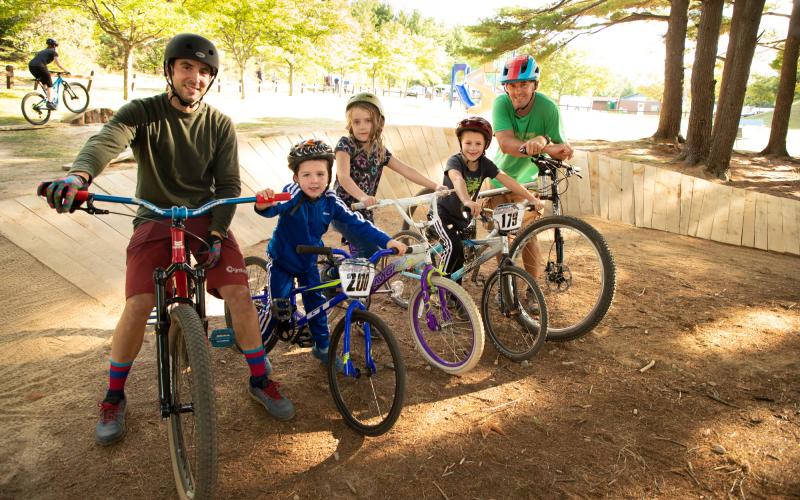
[[357, 276]]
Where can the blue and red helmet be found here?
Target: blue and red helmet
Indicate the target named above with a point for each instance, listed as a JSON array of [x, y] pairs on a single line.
[[520, 69]]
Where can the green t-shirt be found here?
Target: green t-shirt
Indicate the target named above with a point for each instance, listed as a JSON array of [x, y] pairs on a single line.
[[183, 159], [543, 119]]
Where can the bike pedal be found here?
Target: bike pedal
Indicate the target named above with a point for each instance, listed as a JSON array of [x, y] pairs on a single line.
[[222, 337]]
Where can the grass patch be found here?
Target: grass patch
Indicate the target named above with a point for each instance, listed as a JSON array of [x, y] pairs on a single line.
[[271, 125], [794, 116], [11, 107], [56, 144]]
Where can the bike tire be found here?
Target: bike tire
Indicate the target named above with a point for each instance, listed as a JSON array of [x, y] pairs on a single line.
[[360, 399], [75, 97], [579, 289], [418, 212], [32, 111], [256, 268], [192, 434], [509, 303], [452, 345]]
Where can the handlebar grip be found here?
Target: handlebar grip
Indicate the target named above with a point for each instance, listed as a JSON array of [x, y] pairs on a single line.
[[276, 197], [357, 206], [81, 196], [311, 249]]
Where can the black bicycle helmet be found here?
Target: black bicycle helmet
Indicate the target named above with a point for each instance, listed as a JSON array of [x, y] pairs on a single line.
[[190, 46], [51, 43], [310, 149]]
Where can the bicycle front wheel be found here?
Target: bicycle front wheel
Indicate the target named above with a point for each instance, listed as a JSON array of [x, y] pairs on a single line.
[[447, 329], [76, 97], [574, 268], [34, 108], [370, 397], [192, 421], [514, 313]]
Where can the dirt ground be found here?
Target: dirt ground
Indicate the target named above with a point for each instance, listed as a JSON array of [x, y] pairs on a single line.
[[716, 416]]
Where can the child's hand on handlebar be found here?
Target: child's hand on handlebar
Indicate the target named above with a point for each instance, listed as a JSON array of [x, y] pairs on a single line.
[[474, 207], [536, 203], [268, 194], [368, 201], [441, 187], [401, 247]]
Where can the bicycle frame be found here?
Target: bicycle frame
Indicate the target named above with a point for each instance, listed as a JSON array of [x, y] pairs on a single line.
[[299, 321], [188, 282]]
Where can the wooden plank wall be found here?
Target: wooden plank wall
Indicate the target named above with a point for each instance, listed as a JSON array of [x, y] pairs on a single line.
[[620, 191]]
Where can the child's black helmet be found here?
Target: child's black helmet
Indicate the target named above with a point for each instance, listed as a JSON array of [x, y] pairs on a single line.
[[310, 149], [51, 43]]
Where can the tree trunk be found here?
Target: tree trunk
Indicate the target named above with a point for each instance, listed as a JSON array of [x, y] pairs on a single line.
[[776, 146], [738, 58], [291, 79], [669, 120], [127, 70], [698, 135], [241, 78]]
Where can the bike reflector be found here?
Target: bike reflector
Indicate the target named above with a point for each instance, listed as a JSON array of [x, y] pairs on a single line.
[[508, 216], [357, 276]]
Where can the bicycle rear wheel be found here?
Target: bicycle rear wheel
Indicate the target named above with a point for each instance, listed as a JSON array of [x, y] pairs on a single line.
[[371, 399], [514, 313], [34, 108], [450, 338], [192, 421], [257, 282], [574, 268], [76, 97]]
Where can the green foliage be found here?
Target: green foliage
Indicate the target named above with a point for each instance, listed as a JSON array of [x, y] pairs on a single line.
[[550, 27], [762, 91]]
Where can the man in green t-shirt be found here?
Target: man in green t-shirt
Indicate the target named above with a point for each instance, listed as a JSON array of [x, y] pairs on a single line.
[[186, 154], [524, 119]]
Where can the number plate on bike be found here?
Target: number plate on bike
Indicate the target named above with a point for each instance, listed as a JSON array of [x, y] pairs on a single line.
[[357, 276], [508, 216]]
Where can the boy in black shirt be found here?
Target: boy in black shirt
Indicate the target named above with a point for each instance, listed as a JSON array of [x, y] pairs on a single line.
[[465, 172]]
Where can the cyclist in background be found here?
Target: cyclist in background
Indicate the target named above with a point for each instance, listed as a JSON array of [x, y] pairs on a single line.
[[186, 152], [38, 68]]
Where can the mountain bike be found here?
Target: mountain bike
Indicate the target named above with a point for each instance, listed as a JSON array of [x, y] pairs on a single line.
[[34, 104], [366, 372], [185, 382], [512, 306], [575, 268]]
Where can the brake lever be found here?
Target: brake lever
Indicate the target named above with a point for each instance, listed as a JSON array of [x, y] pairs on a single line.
[[92, 210]]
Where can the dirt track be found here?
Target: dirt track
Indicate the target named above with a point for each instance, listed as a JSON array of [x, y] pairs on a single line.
[[721, 323]]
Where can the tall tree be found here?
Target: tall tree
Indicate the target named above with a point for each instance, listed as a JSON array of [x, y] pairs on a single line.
[[698, 135], [738, 58], [783, 104], [132, 23], [241, 26], [669, 120]]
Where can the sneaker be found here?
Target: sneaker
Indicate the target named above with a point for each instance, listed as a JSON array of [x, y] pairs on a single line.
[[111, 426], [50, 105], [272, 400], [532, 303], [323, 357]]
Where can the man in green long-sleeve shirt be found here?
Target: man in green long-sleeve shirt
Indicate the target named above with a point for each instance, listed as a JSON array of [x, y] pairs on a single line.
[[186, 153]]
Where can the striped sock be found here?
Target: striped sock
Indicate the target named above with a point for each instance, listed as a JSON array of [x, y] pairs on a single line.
[[117, 376], [256, 360]]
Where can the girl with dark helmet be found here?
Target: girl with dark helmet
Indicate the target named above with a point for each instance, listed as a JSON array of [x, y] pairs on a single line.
[[465, 172], [38, 68]]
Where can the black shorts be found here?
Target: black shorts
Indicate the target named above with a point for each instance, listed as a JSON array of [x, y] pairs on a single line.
[[42, 74]]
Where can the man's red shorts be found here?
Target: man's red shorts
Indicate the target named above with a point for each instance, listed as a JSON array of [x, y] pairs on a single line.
[[150, 248]]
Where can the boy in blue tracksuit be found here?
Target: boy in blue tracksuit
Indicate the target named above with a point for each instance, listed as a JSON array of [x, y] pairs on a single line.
[[302, 221]]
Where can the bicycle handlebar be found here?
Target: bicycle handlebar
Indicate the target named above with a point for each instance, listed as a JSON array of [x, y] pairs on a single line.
[[403, 202], [315, 250], [178, 212]]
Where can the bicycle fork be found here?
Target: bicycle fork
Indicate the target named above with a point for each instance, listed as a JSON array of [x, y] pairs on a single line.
[[348, 369]]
